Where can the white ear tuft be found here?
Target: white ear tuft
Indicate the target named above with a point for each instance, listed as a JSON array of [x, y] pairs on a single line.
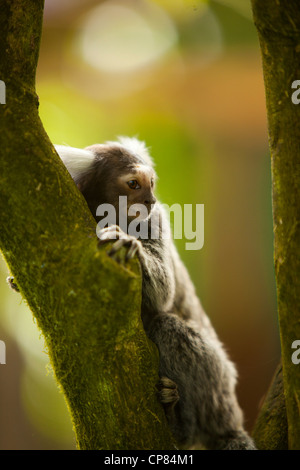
[[77, 161], [137, 147]]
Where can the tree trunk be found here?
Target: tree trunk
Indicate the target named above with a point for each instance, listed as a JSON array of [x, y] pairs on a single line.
[[270, 431], [278, 26], [86, 304]]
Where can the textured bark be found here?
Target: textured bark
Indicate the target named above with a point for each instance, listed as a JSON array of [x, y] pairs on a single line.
[[278, 26], [270, 431], [86, 304]]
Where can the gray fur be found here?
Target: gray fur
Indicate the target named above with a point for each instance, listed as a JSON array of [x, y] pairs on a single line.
[[197, 386]]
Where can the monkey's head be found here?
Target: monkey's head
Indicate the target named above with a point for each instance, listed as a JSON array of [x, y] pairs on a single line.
[[104, 172]]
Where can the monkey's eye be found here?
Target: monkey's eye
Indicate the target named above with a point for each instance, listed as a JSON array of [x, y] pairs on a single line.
[[152, 181], [133, 184]]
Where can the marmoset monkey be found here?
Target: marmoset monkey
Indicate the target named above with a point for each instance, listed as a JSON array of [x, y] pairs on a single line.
[[197, 380]]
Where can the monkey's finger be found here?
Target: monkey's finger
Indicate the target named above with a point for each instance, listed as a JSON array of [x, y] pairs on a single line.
[[131, 251], [117, 246], [111, 228], [104, 232], [165, 382], [113, 235], [102, 242], [168, 396]]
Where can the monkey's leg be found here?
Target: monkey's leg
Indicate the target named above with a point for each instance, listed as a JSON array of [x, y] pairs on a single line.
[[207, 411]]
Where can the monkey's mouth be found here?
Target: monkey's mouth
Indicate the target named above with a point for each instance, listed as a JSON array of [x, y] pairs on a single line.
[[139, 211]]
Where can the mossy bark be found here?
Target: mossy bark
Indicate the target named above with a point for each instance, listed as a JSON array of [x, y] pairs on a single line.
[[271, 430], [278, 26], [86, 304]]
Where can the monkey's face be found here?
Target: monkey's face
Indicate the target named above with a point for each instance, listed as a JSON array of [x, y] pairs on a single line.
[[138, 186], [116, 172]]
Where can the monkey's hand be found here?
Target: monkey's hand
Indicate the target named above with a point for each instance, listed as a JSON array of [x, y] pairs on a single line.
[[113, 232]]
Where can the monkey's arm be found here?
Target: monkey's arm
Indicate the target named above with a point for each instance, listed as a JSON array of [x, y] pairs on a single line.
[[156, 264]]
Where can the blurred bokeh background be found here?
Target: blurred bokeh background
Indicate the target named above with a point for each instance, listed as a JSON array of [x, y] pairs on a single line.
[[186, 77]]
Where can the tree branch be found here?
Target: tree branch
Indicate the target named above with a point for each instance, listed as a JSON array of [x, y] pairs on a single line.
[[86, 304], [278, 25], [270, 431]]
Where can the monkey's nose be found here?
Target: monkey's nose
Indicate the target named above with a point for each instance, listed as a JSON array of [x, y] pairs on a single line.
[[150, 201]]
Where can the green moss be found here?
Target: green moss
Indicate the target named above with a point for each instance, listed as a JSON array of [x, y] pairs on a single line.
[[271, 429]]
